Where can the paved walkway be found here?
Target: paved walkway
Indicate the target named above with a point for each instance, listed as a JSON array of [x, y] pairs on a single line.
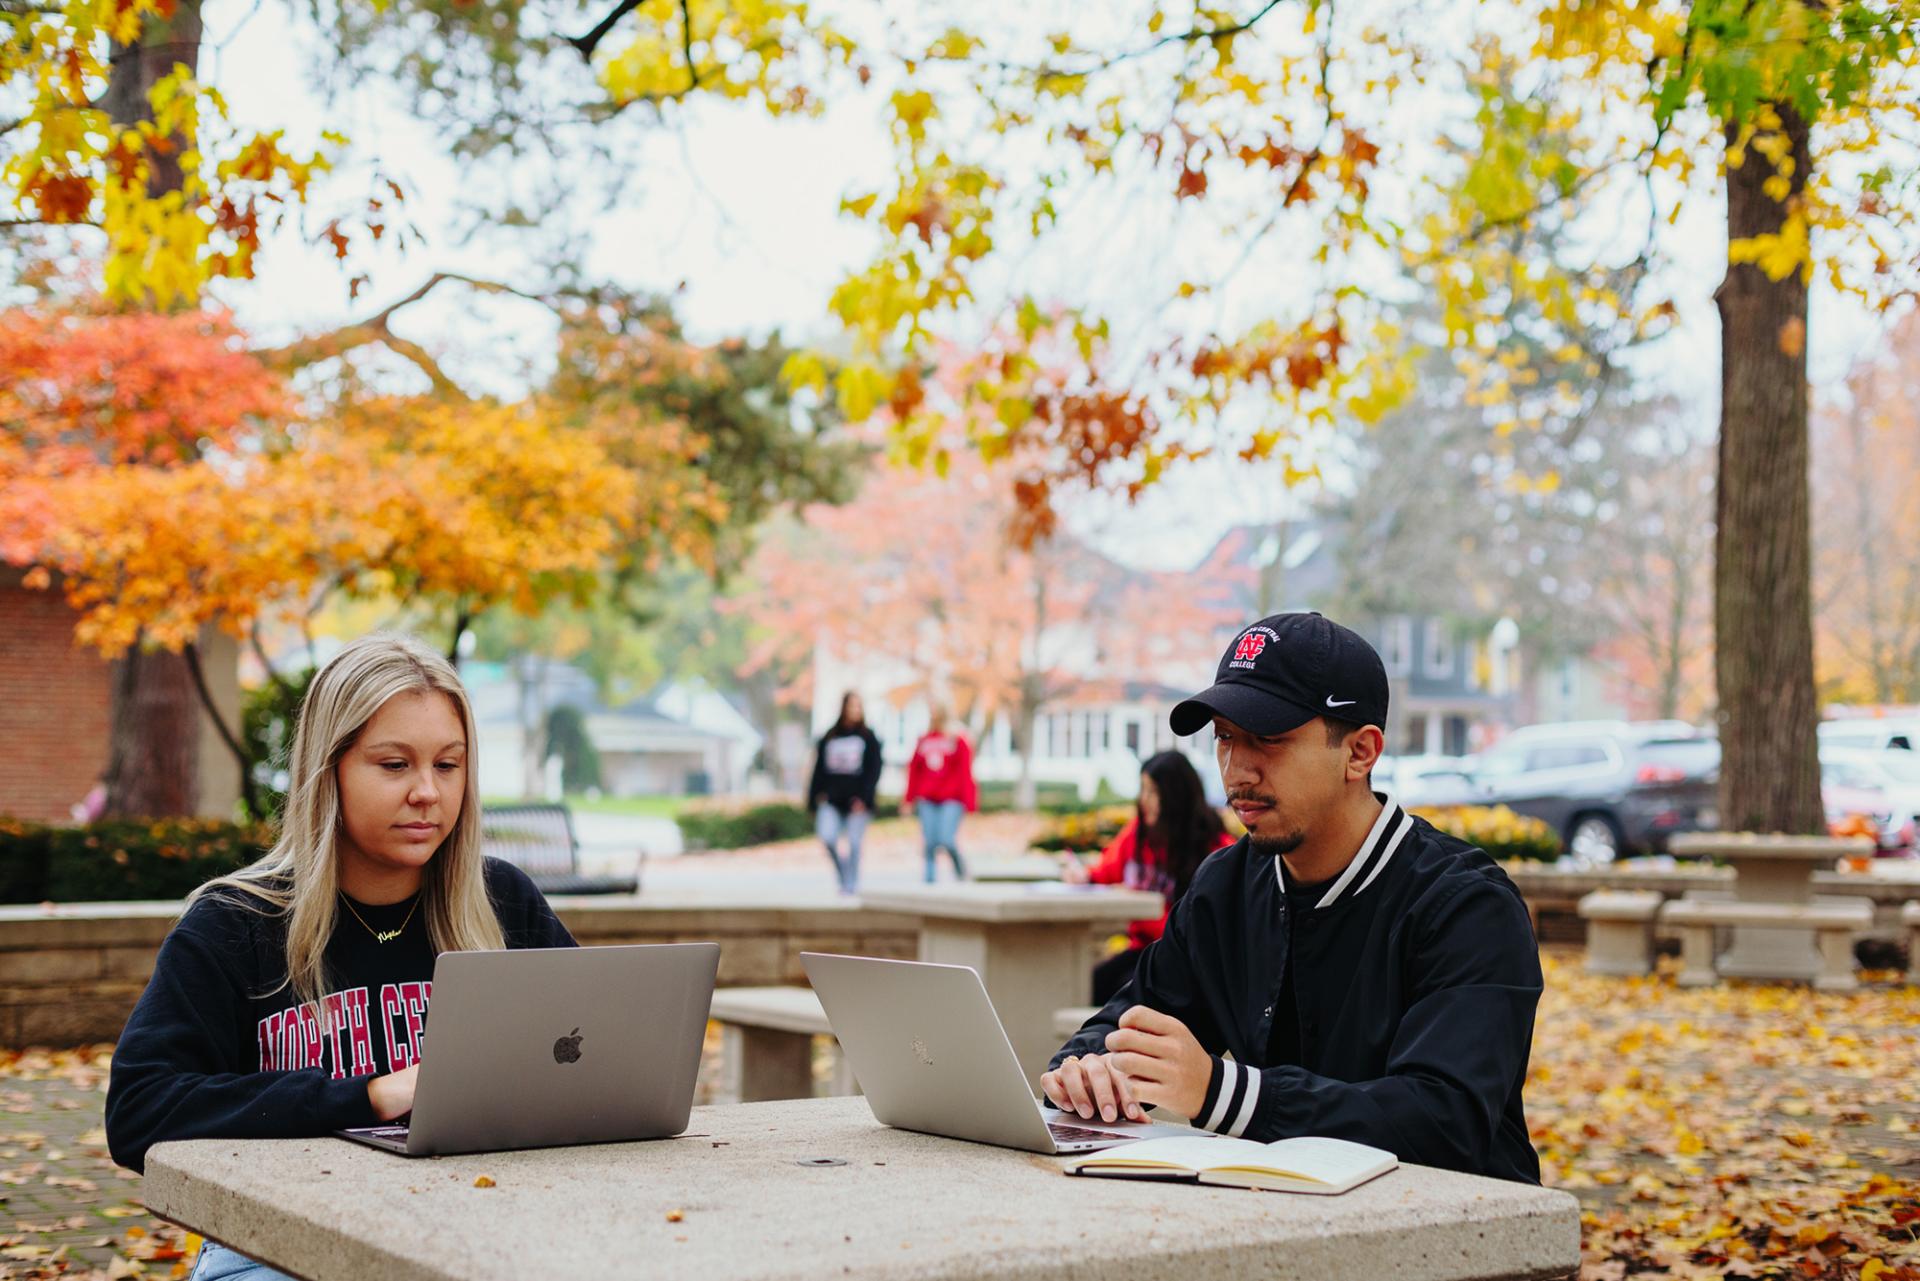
[[891, 857]]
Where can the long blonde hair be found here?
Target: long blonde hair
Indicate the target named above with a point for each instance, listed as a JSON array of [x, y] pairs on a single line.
[[299, 878]]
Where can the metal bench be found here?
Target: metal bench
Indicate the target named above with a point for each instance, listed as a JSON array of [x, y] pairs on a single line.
[[767, 1044], [1620, 930], [1832, 923], [538, 839]]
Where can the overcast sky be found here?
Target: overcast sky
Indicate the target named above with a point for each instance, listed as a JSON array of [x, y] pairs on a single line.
[[739, 213]]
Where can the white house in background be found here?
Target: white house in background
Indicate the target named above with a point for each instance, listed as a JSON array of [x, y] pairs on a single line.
[[1079, 741], [683, 738]]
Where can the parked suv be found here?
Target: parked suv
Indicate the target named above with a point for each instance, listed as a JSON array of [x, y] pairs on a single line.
[[1608, 787], [1871, 733]]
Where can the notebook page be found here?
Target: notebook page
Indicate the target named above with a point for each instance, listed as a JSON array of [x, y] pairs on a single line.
[[1179, 1153], [1334, 1161]]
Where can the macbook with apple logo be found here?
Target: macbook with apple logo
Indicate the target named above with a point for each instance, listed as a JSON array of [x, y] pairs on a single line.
[[931, 1055], [545, 1047]]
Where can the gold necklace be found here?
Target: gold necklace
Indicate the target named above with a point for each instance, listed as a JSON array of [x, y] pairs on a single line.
[[382, 936]]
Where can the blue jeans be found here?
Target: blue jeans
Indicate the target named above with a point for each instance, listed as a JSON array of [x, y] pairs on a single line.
[[830, 824], [940, 829], [217, 1263]]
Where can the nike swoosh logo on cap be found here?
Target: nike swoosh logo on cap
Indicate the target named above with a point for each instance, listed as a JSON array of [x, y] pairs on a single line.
[[1349, 703]]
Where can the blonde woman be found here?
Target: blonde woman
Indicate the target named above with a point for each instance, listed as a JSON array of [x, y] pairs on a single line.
[[290, 998]]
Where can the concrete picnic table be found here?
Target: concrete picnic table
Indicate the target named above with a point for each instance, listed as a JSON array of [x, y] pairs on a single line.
[[1030, 867], [736, 1197], [1771, 868], [1029, 944]]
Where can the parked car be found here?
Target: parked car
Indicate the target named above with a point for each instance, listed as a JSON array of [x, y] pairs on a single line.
[[1608, 787], [1871, 733], [1427, 780], [1882, 786]]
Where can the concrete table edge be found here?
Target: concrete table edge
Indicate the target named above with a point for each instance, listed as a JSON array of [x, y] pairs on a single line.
[[672, 1209], [1020, 907]]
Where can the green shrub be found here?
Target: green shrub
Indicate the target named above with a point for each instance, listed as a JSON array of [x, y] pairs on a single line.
[[1048, 798], [267, 717], [24, 848], [121, 858], [732, 826]]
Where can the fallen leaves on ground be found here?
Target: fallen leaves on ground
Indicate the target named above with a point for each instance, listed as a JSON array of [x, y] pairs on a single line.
[[1744, 1130]]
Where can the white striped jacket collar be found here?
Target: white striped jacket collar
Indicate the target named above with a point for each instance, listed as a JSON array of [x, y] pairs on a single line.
[[1386, 835]]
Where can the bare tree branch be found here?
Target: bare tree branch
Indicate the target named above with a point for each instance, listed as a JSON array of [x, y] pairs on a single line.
[[588, 43], [1194, 35], [377, 328], [47, 222], [686, 43]]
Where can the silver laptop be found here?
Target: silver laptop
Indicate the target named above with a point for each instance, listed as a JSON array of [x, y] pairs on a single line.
[[931, 1055], [540, 1047]]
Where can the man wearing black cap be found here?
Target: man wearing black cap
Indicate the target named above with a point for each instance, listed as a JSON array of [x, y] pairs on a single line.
[[1372, 978]]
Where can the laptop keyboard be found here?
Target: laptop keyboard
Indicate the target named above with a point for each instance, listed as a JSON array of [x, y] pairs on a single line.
[[1078, 1134]]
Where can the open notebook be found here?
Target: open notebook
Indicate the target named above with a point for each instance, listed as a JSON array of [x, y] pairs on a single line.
[[1320, 1166]]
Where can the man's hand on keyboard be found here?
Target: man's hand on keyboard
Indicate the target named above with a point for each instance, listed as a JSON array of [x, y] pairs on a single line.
[[1091, 1086]]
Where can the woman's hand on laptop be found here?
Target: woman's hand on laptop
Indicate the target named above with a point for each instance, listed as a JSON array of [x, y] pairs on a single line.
[[1088, 1085], [392, 1095], [1161, 1061]]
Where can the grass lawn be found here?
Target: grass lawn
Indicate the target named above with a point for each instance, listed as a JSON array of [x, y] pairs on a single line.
[[633, 806]]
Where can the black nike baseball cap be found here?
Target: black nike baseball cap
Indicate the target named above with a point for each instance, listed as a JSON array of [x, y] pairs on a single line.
[[1283, 671]]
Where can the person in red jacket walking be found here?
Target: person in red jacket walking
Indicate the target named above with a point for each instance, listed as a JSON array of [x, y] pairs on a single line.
[[1172, 831], [940, 790]]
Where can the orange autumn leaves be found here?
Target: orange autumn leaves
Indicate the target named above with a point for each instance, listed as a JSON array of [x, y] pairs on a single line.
[[170, 480], [1745, 1130]]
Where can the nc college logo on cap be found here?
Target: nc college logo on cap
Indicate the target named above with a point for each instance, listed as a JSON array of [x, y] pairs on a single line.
[[1251, 646]]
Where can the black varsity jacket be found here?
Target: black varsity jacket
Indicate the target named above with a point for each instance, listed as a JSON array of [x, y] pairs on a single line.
[[1416, 975]]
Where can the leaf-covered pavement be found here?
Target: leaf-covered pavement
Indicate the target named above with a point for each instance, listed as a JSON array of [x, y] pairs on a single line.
[[1741, 1131]]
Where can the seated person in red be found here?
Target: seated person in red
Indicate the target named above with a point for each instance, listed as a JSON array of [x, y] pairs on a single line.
[[1180, 829]]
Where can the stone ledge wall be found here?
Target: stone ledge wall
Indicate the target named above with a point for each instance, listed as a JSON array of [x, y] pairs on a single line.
[[71, 975]]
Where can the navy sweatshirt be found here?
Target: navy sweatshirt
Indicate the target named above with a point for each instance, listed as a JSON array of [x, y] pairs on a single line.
[[219, 1048], [1413, 978], [846, 768]]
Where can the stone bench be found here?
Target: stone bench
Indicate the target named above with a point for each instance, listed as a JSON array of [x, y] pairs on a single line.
[[1620, 930], [1833, 924], [1910, 919], [767, 1043]]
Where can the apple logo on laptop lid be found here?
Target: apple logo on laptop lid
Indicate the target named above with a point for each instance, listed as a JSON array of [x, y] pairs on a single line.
[[567, 1048]]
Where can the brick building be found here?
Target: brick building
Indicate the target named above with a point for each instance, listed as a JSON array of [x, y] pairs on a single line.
[[55, 705]]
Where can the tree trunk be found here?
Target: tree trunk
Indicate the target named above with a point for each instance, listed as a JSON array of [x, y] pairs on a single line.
[[530, 674], [1763, 609], [154, 753], [164, 43], [155, 743], [1673, 662], [1025, 794]]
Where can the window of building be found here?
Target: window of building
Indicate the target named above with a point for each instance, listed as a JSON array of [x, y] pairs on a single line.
[[1438, 656], [1396, 645], [1453, 736], [1416, 744]]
